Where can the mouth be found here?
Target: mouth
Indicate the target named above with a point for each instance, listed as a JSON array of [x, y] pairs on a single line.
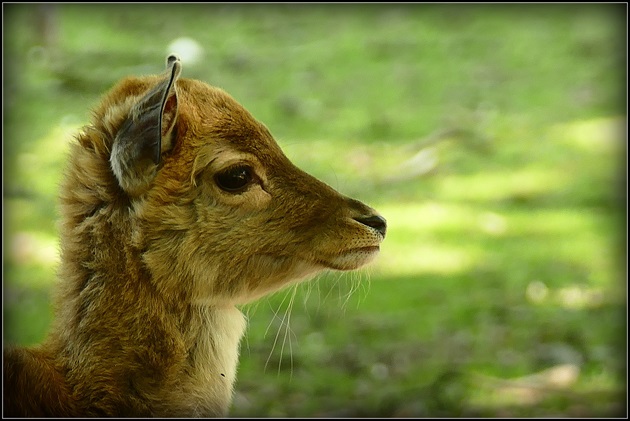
[[352, 259]]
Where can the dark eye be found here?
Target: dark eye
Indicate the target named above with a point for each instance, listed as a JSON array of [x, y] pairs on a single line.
[[235, 179]]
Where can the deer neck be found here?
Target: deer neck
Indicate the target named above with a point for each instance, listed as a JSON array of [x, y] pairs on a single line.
[[182, 356], [213, 341]]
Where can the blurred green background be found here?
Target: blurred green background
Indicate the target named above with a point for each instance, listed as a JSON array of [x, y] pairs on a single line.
[[491, 137]]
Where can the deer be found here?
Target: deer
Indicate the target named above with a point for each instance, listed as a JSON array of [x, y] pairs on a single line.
[[176, 207]]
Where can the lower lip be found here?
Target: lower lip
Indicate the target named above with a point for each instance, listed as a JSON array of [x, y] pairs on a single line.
[[355, 258]]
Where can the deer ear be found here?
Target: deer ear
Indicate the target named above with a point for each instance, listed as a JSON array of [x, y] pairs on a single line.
[[147, 133]]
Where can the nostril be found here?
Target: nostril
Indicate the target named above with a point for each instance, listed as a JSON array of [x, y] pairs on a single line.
[[375, 221]]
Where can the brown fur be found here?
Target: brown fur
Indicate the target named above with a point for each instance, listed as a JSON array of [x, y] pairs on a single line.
[[156, 255]]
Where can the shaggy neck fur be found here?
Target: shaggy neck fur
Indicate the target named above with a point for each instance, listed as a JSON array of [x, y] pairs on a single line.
[[155, 354]]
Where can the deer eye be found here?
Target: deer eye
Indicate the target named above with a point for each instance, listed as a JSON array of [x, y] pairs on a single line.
[[234, 179]]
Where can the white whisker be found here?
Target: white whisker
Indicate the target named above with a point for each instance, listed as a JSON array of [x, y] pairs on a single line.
[[275, 315], [287, 330]]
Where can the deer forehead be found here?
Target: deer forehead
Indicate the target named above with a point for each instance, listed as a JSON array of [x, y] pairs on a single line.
[[217, 131]]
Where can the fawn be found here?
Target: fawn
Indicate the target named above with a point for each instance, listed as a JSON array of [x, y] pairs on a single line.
[[177, 206]]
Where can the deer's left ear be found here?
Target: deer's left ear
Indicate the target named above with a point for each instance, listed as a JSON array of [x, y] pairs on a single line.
[[147, 133]]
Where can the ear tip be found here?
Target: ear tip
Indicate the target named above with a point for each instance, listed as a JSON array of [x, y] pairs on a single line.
[[174, 65], [172, 59]]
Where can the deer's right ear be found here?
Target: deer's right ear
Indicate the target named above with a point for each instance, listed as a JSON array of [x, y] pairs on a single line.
[[146, 133]]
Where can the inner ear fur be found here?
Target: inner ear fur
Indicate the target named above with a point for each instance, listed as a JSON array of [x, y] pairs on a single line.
[[147, 133]]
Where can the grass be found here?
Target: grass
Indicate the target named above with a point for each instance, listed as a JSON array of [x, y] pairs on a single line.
[[492, 138]]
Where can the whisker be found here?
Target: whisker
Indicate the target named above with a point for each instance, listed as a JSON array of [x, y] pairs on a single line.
[[308, 286], [335, 282], [275, 315], [287, 329], [366, 284], [246, 314], [355, 284], [249, 311]]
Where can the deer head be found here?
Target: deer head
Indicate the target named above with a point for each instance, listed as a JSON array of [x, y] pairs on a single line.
[[217, 211]]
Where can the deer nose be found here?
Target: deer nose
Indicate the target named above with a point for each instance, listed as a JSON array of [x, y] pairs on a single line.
[[375, 221]]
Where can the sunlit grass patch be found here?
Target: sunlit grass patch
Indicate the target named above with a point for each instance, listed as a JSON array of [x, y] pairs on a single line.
[[601, 136], [414, 246], [496, 185], [417, 258], [570, 235], [443, 237]]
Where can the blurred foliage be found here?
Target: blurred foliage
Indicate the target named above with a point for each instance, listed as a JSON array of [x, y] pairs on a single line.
[[492, 138]]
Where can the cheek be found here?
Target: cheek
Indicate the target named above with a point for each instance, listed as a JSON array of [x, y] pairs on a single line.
[[255, 199]]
